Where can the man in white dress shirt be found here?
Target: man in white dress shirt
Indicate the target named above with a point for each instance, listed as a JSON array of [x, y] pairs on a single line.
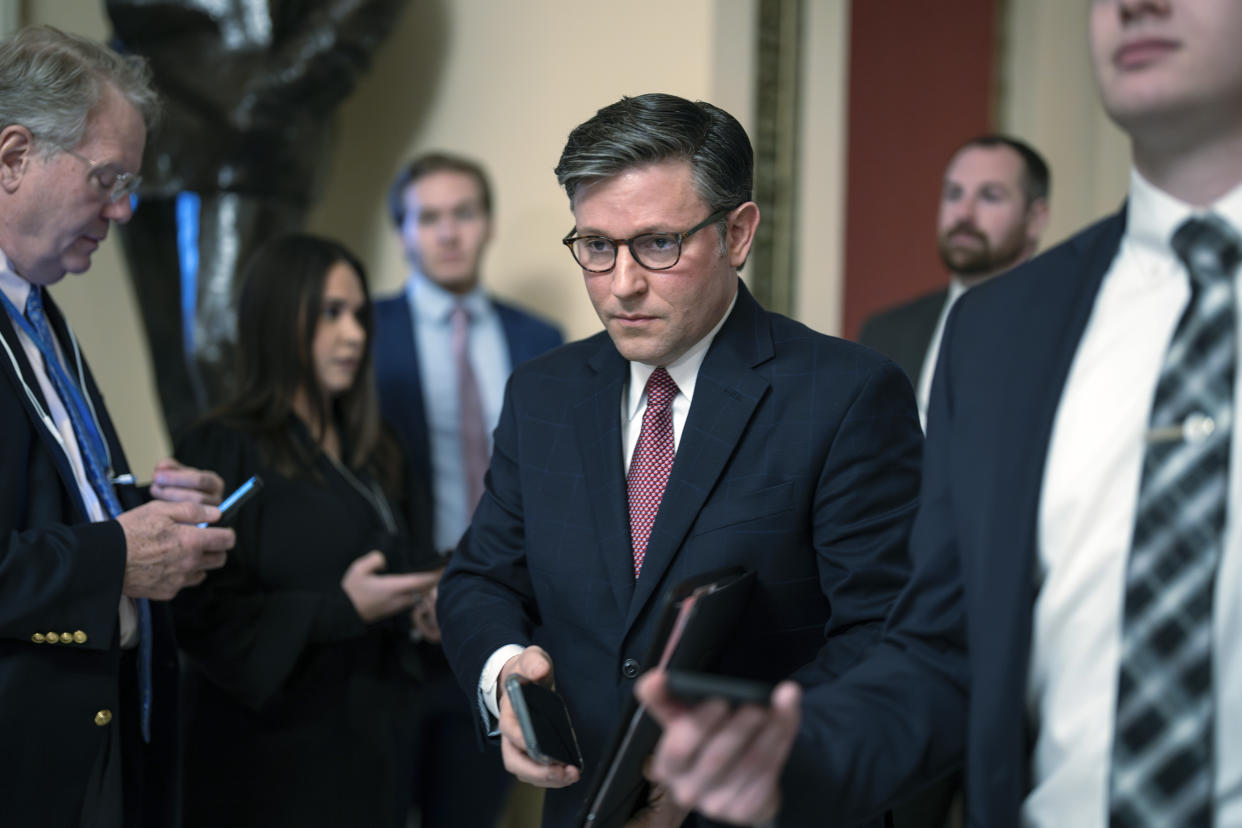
[[1071, 628]]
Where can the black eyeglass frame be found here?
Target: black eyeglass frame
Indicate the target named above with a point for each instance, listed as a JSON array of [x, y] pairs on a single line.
[[570, 239]]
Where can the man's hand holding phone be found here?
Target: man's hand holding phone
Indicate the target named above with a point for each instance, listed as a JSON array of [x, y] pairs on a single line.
[[534, 665], [722, 756]]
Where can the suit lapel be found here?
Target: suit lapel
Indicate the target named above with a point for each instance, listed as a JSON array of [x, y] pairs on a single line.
[[1031, 404], [22, 374], [397, 369], [126, 495], [726, 393], [597, 423]]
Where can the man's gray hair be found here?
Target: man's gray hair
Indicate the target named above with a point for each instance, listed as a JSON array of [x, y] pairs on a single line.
[[658, 127], [50, 81]]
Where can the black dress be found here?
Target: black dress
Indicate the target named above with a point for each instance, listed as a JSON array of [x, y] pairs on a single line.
[[297, 712]]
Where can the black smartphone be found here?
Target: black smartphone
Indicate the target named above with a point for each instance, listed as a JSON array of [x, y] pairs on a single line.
[[544, 719], [230, 505], [690, 687]]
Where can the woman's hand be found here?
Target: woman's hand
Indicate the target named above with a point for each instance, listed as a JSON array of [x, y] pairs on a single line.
[[375, 595]]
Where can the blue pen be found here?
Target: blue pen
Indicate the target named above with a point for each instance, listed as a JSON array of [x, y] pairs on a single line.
[[234, 501]]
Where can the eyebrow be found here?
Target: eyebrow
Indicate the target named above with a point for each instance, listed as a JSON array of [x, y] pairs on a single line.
[[649, 229]]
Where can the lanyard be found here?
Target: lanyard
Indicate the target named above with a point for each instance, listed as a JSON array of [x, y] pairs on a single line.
[[52, 363]]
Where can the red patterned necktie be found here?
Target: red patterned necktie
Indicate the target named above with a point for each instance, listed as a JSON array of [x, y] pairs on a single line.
[[473, 431], [651, 463]]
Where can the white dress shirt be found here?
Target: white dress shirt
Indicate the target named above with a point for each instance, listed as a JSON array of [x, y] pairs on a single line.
[[956, 289], [685, 372], [432, 307], [1086, 520], [18, 290]]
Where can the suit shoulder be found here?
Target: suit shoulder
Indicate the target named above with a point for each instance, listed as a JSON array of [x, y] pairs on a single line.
[[795, 341], [568, 358], [532, 321], [918, 307], [1052, 271]]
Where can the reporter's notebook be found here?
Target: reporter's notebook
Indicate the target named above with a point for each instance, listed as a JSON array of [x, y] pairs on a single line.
[[698, 619]]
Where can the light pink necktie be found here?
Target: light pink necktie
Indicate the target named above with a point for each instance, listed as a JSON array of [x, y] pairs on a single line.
[[651, 463], [470, 410]]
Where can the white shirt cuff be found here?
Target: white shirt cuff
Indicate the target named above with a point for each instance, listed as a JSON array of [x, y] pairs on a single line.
[[491, 677]]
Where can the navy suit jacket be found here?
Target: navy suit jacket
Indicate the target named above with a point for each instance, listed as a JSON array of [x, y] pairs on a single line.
[[61, 573], [904, 332], [799, 460], [398, 376], [951, 674]]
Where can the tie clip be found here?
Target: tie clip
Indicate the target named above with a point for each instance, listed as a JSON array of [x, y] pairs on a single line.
[[1195, 428]]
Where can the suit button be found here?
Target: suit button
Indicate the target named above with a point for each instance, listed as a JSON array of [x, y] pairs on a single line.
[[103, 717], [38, 638], [66, 638], [630, 668], [53, 638], [79, 637]]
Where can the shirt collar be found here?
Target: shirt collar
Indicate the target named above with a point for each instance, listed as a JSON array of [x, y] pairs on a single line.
[[957, 286], [433, 303], [1153, 215], [14, 286], [684, 371]]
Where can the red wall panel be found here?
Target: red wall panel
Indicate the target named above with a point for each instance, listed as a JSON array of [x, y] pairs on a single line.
[[920, 83]]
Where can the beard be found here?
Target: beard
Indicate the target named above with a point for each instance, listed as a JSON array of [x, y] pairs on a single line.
[[981, 257]]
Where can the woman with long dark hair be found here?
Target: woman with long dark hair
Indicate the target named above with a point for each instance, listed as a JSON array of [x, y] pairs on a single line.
[[300, 669]]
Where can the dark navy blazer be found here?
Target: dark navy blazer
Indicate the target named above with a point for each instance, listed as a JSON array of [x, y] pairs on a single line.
[[951, 674], [398, 376], [903, 333], [799, 460], [61, 573]]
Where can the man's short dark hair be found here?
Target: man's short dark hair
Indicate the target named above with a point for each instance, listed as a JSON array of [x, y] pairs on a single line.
[[1036, 179], [434, 162], [658, 127]]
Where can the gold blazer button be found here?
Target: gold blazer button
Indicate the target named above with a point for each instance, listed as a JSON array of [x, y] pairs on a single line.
[[38, 638], [53, 638], [79, 637], [103, 717]]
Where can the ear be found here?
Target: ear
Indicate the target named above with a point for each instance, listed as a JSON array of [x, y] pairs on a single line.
[[1036, 221], [741, 232], [16, 154]]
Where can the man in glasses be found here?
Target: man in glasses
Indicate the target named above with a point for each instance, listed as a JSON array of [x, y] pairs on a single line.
[[87, 661], [698, 431]]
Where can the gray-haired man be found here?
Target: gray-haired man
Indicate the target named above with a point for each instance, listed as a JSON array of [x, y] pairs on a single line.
[[87, 666]]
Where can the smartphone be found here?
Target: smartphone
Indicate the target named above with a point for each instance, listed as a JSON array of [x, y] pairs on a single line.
[[230, 505], [544, 719], [691, 687]]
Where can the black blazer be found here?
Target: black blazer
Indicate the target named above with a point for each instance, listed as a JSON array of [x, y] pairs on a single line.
[[59, 573], [951, 673], [903, 333], [799, 460]]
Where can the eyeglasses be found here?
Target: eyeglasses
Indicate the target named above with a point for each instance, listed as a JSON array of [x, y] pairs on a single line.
[[654, 251], [116, 184]]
